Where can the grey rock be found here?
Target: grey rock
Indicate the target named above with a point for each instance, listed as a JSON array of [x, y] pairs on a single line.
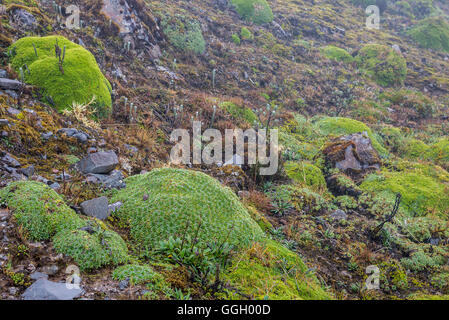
[[3, 73], [38, 275], [55, 186], [4, 122], [28, 171], [24, 18], [81, 137], [50, 270], [4, 134], [12, 94], [123, 284], [44, 289], [96, 208], [8, 84], [114, 180], [339, 215], [13, 291], [434, 241], [13, 111], [9, 160], [132, 149], [68, 131], [47, 135], [99, 162]]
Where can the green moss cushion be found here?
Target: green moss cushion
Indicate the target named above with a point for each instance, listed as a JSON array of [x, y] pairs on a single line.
[[431, 33], [383, 64], [337, 54], [170, 202], [82, 78], [39, 209], [257, 11], [306, 173]]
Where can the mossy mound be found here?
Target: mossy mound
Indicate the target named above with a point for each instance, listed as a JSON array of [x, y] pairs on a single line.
[[431, 33], [92, 250], [82, 78], [136, 274], [39, 209], [305, 173], [439, 152], [184, 33], [337, 54], [257, 11], [173, 202], [267, 263], [339, 126], [383, 64], [44, 216], [422, 193]]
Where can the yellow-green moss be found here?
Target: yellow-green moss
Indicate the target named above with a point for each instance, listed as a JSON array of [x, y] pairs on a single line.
[[257, 11], [337, 54], [305, 173], [383, 64], [269, 271], [82, 78], [431, 33]]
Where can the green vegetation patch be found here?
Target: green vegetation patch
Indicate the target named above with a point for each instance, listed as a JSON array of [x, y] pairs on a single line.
[[136, 274], [269, 271], [337, 54], [343, 126], [91, 250], [81, 78], [239, 113], [184, 33], [44, 216], [383, 64], [305, 173], [39, 209], [175, 202], [257, 11], [422, 194], [431, 33]]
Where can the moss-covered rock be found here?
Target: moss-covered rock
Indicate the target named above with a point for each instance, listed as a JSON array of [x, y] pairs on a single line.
[[337, 54], [343, 126], [173, 202], [184, 33], [43, 215], [257, 11], [260, 273], [432, 33], [81, 78], [305, 173], [383, 64], [39, 209], [91, 250]]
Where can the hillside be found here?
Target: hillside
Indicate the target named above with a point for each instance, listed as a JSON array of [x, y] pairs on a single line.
[[88, 108]]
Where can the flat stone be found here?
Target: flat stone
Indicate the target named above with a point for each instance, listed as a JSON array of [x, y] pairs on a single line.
[[28, 171], [96, 208], [99, 162], [339, 215], [38, 275], [8, 84], [44, 289]]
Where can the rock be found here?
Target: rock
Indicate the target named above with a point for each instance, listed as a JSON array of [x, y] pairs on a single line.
[[339, 215], [4, 122], [114, 207], [396, 48], [123, 284], [55, 186], [12, 94], [13, 111], [50, 270], [222, 4], [9, 160], [354, 154], [38, 275], [68, 131], [44, 289], [96, 208], [13, 291], [132, 149], [99, 163], [47, 135], [28, 171], [24, 18], [9, 84], [112, 181], [3, 73], [81, 137]]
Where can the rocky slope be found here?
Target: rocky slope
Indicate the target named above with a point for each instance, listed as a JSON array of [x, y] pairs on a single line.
[[85, 120]]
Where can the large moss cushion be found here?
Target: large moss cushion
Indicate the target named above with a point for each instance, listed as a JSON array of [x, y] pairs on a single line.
[[173, 202], [82, 78]]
